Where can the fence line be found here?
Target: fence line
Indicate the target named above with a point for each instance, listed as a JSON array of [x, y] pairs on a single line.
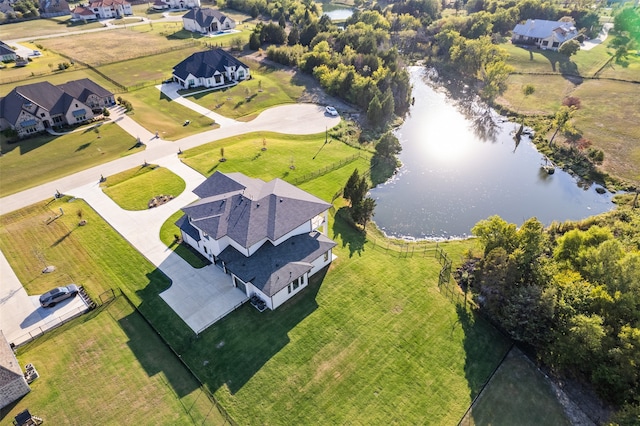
[[56, 322], [221, 316], [331, 167], [203, 387]]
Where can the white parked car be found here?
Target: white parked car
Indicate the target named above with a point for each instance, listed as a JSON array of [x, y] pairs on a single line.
[[331, 111]]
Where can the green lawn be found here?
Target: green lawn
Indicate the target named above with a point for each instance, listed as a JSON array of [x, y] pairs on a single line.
[[168, 234], [550, 90], [56, 156], [109, 367], [149, 68], [584, 63], [58, 77], [156, 112], [269, 86], [518, 394], [41, 27], [133, 189], [244, 153], [371, 342]]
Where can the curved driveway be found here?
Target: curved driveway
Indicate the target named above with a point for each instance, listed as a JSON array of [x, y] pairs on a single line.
[[299, 119], [199, 296]]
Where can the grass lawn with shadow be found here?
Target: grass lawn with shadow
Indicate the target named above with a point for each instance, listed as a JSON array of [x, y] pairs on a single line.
[[371, 339], [57, 156], [133, 189], [109, 367], [244, 153], [518, 394]]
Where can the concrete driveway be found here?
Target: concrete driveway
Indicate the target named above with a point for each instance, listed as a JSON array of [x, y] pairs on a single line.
[[199, 296], [21, 316]]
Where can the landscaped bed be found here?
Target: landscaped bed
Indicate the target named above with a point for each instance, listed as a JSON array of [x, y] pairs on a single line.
[[135, 189]]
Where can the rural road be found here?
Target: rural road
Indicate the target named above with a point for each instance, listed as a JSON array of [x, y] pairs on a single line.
[[299, 119]]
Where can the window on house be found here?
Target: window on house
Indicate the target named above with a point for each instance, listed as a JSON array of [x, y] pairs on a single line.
[[545, 43], [241, 74], [289, 288], [326, 256], [42, 114], [555, 44]]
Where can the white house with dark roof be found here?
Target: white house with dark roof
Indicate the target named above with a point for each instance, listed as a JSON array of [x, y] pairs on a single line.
[[544, 34], [175, 4], [207, 21], [267, 235], [111, 8], [212, 68], [35, 107]]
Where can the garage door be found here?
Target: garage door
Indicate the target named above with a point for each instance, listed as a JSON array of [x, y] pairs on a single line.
[[239, 284]]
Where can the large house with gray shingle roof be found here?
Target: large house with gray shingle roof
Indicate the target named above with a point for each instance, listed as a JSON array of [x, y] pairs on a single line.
[[212, 68], [544, 34], [266, 235], [35, 107], [207, 21]]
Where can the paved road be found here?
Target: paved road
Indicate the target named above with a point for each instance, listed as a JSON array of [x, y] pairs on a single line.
[[298, 119]]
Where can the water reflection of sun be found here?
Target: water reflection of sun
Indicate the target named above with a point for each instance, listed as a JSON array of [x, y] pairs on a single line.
[[450, 144]]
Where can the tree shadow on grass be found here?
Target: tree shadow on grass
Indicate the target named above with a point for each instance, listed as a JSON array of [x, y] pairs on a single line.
[[484, 346], [232, 351], [344, 231], [562, 64], [157, 335], [26, 145]]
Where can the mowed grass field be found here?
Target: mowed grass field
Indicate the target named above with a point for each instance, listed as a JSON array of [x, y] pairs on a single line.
[[609, 107], [371, 342], [109, 367], [134, 188], [518, 394], [115, 45], [56, 156], [244, 153], [41, 27]]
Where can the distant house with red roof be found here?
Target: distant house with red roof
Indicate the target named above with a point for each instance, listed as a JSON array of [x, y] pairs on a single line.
[[81, 13]]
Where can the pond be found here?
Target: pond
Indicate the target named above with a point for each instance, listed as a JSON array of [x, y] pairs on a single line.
[[336, 12], [458, 168]]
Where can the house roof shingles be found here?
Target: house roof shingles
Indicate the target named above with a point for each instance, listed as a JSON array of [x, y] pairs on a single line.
[[205, 64], [9, 368], [251, 210], [540, 28], [54, 99], [6, 50], [272, 268], [205, 16]]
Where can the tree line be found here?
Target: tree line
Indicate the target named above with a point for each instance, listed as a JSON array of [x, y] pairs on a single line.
[[570, 293]]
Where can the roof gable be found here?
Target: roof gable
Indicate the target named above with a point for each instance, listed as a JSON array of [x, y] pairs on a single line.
[[249, 210], [205, 64], [541, 28], [272, 268]]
